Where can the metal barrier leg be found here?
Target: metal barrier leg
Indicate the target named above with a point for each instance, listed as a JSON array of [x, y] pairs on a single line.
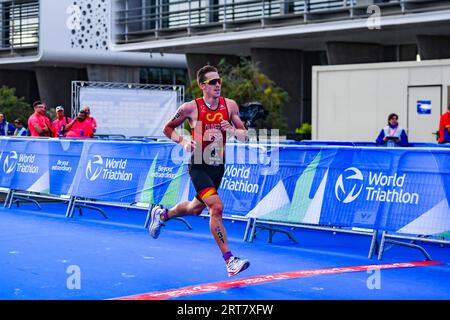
[[400, 243], [373, 244], [253, 232], [8, 195], [273, 230], [247, 228], [381, 249], [11, 197], [411, 245], [69, 207], [20, 198], [188, 225], [270, 237], [83, 205], [72, 208]]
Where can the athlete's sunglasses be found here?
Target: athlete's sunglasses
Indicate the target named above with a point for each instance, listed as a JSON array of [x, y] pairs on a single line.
[[213, 82]]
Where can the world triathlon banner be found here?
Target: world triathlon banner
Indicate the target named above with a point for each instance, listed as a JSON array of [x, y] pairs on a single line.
[[404, 190], [394, 189], [25, 165]]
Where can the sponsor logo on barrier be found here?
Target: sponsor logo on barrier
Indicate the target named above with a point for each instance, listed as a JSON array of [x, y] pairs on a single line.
[[379, 187], [236, 179], [164, 172], [107, 169], [94, 168], [355, 187], [20, 162], [10, 162], [62, 165]]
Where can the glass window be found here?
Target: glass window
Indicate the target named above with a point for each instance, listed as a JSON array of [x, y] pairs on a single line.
[[19, 24], [164, 76]]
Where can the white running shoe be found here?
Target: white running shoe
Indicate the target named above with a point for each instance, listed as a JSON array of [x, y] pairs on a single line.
[[157, 223], [236, 265]]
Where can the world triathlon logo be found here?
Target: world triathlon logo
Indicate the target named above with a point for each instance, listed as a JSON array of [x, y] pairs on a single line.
[[10, 162], [349, 185], [94, 168]]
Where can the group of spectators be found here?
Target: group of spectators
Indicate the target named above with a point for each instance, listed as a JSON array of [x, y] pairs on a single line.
[[393, 135], [39, 125]]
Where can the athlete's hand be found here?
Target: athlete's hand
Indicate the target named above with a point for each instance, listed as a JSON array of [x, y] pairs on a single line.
[[189, 146], [225, 125]]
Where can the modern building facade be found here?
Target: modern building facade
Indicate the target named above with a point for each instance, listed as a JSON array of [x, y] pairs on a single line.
[[46, 44], [287, 37]]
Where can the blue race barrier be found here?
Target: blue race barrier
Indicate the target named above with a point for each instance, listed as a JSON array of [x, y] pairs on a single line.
[[404, 190]]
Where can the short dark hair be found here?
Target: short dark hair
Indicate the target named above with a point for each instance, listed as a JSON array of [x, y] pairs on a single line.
[[36, 103], [392, 115], [18, 121], [201, 73]]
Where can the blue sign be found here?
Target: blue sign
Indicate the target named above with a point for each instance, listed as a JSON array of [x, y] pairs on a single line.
[[424, 106]]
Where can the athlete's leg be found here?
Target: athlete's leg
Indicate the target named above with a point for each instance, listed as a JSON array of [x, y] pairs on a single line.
[[218, 231], [185, 208], [159, 215]]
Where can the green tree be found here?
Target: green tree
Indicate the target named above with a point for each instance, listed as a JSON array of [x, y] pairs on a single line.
[[12, 106], [245, 83]]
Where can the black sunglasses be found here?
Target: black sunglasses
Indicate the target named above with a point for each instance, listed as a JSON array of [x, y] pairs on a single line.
[[213, 82]]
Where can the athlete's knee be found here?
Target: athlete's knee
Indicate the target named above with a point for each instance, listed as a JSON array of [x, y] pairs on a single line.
[[216, 209]]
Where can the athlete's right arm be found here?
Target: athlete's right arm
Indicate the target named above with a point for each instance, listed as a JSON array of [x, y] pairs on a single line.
[[183, 113]]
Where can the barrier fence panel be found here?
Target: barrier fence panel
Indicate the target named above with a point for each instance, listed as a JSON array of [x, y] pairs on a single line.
[[403, 192]]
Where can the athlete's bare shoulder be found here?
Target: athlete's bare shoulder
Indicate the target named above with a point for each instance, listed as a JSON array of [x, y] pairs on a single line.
[[232, 105], [189, 107]]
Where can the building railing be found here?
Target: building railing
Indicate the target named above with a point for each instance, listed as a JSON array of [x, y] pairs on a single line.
[[138, 20]]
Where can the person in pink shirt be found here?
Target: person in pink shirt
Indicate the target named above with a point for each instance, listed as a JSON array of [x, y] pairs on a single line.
[[79, 127], [60, 123], [38, 124], [90, 119]]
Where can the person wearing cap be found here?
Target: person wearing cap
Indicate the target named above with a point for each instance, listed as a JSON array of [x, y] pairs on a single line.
[[60, 123], [20, 131], [6, 128], [90, 119], [38, 124]]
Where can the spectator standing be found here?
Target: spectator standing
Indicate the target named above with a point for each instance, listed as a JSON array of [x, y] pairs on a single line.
[[6, 128], [393, 135], [38, 124], [444, 127], [90, 119], [79, 127], [60, 123]]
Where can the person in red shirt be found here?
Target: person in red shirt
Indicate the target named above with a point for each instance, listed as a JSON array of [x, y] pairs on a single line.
[[79, 127], [444, 127], [60, 123], [38, 124], [90, 119]]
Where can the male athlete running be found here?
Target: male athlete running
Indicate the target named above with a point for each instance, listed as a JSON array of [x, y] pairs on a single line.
[[211, 118]]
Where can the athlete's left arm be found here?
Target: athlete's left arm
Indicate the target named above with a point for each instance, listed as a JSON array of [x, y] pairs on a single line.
[[237, 129]]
